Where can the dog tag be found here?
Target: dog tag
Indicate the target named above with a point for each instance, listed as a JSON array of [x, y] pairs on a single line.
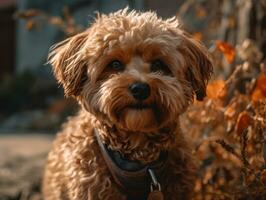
[[155, 195]]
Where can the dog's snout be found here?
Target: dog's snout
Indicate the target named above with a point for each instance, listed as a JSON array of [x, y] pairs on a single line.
[[140, 91]]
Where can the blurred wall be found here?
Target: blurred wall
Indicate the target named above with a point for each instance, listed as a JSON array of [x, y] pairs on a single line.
[[33, 46], [164, 8]]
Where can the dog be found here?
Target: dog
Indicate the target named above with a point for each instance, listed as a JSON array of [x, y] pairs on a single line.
[[133, 75]]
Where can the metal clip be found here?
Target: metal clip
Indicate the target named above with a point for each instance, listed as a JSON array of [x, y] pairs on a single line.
[[155, 185]]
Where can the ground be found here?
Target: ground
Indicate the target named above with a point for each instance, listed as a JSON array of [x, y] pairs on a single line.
[[21, 164]]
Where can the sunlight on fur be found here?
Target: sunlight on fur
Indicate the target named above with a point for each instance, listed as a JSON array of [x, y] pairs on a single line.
[[133, 74]]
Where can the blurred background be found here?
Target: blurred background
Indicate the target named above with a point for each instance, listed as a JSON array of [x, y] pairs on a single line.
[[228, 127]]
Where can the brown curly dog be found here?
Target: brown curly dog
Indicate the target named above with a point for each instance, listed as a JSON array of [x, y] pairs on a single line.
[[133, 74]]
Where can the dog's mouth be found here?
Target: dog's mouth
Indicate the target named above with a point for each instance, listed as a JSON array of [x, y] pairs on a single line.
[[141, 106], [140, 116]]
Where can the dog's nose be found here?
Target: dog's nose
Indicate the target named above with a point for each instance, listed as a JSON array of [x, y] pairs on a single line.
[[140, 91]]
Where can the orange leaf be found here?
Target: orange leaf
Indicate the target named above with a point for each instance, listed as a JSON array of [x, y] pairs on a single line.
[[261, 83], [257, 95], [230, 111], [260, 89], [215, 89], [201, 12], [30, 13], [30, 25], [227, 49], [197, 36], [244, 120], [57, 21]]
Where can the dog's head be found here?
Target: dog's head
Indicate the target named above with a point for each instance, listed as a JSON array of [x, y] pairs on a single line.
[[133, 70]]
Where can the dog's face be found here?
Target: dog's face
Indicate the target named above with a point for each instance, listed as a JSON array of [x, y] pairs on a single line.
[[133, 70]]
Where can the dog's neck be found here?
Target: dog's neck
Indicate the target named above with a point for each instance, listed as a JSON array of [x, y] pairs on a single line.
[[137, 146]]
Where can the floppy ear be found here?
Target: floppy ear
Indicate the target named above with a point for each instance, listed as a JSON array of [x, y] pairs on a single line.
[[199, 66], [69, 63]]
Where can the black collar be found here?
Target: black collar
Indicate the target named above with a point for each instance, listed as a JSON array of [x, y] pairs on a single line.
[[132, 176]]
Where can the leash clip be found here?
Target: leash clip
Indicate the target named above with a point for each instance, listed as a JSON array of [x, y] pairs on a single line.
[[155, 185], [155, 193]]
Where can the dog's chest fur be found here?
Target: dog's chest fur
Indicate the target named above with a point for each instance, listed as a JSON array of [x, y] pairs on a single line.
[[76, 162]]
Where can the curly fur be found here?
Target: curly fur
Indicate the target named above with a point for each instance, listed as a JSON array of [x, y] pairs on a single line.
[[75, 168]]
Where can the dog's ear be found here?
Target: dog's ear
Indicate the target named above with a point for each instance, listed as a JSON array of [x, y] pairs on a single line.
[[198, 65], [69, 63]]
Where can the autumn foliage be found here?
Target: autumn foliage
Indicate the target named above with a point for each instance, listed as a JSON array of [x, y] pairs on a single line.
[[229, 133], [227, 49]]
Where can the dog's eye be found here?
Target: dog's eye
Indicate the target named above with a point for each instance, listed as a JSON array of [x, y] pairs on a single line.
[[159, 66], [116, 65]]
